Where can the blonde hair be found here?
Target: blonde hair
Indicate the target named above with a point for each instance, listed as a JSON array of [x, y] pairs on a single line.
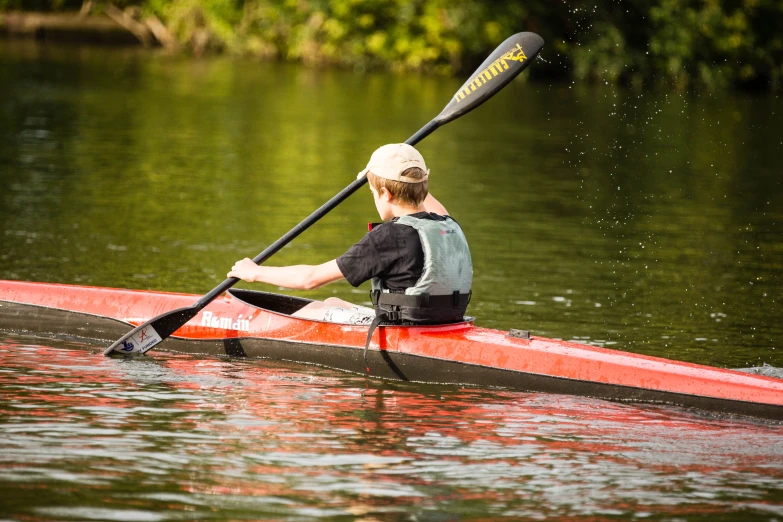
[[406, 194]]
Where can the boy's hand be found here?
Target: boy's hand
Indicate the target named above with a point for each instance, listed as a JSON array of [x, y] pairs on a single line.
[[245, 269]]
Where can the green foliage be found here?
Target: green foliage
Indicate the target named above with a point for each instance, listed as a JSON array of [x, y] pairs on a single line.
[[201, 25], [682, 43], [403, 35]]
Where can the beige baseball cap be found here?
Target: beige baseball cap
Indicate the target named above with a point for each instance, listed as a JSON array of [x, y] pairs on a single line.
[[390, 161]]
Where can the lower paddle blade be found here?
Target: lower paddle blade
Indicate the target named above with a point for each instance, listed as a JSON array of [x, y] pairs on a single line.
[[144, 337]]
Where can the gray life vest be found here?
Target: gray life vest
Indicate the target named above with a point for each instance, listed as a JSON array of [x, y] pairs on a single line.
[[442, 293]]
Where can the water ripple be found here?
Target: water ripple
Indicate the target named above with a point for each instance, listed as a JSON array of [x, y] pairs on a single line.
[[181, 438]]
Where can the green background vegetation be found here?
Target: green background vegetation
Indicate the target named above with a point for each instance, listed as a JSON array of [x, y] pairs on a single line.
[[681, 43]]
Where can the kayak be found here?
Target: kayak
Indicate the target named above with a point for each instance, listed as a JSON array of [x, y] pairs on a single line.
[[246, 323]]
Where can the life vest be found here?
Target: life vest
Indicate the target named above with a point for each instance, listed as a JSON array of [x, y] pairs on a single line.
[[442, 293]]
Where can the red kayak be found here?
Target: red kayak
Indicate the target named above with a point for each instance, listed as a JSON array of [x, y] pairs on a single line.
[[258, 324]]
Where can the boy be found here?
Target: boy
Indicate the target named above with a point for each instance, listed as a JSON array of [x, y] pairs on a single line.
[[418, 259]]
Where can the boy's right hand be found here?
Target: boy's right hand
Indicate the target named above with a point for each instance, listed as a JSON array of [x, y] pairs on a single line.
[[245, 269]]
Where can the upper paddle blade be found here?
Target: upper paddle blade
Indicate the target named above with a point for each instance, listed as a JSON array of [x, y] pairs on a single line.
[[509, 59], [144, 337]]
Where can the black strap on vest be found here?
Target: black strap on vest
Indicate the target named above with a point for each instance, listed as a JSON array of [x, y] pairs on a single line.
[[397, 301], [455, 300]]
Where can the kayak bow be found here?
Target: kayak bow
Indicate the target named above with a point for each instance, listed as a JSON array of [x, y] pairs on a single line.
[[259, 324]]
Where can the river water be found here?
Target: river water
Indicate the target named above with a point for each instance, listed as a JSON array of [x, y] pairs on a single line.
[[643, 221]]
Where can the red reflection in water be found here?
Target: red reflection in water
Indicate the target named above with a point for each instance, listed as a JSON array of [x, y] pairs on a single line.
[[318, 438]]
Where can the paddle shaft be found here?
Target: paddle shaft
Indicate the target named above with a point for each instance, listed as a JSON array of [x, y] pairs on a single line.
[[308, 222]]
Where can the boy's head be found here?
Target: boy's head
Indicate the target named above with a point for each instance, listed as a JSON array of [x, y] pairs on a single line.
[[400, 170]]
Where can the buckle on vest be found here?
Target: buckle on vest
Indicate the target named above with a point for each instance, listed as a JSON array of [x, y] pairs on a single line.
[[393, 315]]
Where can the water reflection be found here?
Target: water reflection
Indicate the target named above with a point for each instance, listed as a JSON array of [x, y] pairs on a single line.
[[178, 437]]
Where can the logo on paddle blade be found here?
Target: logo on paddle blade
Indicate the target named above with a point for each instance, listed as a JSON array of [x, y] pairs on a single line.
[[140, 341], [496, 68]]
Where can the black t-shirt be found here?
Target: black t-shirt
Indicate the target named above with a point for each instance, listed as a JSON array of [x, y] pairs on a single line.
[[390, 251]]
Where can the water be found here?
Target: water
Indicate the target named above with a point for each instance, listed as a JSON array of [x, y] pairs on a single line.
[[179, 438], [649, 222]]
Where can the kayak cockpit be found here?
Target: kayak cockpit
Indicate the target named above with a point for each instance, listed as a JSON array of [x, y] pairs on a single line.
[[282, 304], [288, 305]]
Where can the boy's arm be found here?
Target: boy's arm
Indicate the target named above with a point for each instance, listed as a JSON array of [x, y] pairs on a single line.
[[297, 277], [431, 204]]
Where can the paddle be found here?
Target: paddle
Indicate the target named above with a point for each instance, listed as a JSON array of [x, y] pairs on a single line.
[[508, 60]]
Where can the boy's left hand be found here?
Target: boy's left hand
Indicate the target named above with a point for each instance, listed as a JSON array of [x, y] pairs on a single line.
[[244, 269]]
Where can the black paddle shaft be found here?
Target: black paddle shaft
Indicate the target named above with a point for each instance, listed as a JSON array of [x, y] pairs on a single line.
[[506, 62], [509, 59], [307, 222]]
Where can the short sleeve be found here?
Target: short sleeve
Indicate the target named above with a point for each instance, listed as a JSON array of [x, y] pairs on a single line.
[[390, 252], [362, 261]]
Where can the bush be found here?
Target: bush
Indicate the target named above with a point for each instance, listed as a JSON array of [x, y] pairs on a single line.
[[682, 43]]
